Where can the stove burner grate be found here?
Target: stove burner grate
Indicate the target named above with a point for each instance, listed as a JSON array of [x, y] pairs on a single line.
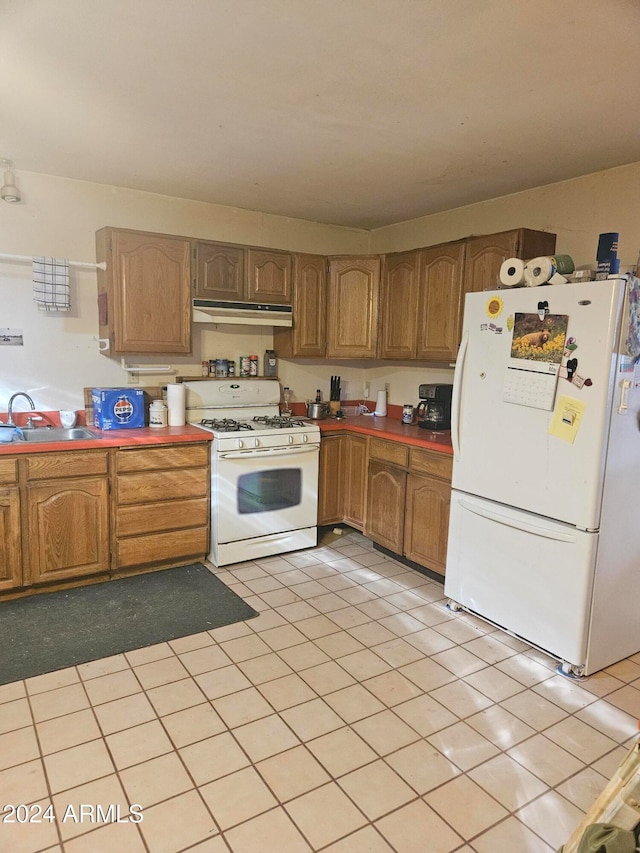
[[225, 424], [278, 421]]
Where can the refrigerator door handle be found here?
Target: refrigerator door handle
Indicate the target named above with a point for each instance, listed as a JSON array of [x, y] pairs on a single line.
[[457, 394], [518, 524]]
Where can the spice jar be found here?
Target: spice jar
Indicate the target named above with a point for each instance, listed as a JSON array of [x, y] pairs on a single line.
[[253, 365], [270, 363]]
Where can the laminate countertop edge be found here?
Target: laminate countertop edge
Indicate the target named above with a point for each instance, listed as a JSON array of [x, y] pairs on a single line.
[[140, 437], [389, 429]]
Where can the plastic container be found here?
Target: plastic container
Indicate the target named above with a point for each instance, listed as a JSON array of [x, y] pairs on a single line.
[[286, 397], [157, 414]]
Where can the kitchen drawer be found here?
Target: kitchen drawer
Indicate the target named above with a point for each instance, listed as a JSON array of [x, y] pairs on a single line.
[[162, 547], [431, 462], [76, 463], [9, 470], [167, 515], [154, 486], [174, 456], [389, 451]]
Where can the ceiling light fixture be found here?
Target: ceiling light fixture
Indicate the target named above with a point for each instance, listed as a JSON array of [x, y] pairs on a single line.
[[9, 191]]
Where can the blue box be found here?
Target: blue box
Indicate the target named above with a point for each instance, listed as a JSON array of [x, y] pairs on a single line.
[[118, 408]]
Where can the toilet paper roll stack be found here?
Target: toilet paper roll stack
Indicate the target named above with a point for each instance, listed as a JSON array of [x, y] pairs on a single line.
[[176, 404]]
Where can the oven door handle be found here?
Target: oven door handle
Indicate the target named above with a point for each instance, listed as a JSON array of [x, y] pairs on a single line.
[[285, 451]]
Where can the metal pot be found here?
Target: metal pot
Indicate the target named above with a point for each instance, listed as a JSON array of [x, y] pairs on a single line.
[[317, 411]]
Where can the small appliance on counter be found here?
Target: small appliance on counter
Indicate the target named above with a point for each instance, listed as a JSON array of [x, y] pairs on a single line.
[[434, 409]]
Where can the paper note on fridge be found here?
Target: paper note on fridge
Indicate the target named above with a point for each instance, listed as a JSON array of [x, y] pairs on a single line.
[[566, 418]]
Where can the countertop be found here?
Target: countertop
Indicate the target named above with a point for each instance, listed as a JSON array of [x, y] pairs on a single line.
[[390, 428], [113, 438]]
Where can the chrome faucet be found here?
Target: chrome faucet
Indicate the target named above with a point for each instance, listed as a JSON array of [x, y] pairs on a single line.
[[10, 407]]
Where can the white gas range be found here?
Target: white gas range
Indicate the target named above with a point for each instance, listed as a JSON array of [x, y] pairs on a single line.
[[264, 469]]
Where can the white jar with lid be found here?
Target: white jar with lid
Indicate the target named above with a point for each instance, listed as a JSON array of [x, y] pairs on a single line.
[[157, 414]]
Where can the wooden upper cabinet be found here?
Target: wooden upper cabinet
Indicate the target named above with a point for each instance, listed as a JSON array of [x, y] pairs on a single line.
[[485, 255], [145, 292], [219, 272], [399, 305], [440, 302], [307, 338], [352, 315], [268, 276]]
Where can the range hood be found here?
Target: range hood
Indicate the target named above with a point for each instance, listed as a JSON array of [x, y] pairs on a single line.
[[241, 313]]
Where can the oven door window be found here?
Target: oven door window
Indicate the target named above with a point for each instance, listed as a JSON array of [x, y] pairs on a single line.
[[264, 491]]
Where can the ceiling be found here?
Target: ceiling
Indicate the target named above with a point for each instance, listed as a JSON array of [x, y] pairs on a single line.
[[359, 113]]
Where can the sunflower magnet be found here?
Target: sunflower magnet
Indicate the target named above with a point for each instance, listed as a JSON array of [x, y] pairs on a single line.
[[494, 307]]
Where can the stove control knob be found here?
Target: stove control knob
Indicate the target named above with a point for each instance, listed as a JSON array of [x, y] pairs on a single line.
[[305, 439], [256, 442], [290, 439], [240, 443]]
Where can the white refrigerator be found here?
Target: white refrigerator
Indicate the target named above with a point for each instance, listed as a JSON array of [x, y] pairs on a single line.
[[544, 533]]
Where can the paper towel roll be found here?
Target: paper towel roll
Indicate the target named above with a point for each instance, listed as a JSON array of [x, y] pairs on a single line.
[[175, 404], [512, 272], [538, 271], [381, 404]]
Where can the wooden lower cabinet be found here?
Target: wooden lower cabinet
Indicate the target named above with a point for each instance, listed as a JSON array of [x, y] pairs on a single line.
[[161, 505], [10, 545], [82, 513], [10, 539], [385, 505], [355, 483], [67, 512], [427, 521], [68, 529], [342, 485], [330, 481], [409, 493]]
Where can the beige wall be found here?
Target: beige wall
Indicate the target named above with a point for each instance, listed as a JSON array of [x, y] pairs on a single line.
[[577, 211], [60, 217]]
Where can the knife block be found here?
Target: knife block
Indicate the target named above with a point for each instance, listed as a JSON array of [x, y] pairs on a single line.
[[334, 407]]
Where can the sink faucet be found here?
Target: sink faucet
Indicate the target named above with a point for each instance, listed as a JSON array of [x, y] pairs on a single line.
[[10, 407]]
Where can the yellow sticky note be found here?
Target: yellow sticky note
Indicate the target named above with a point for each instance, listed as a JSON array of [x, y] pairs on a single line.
[[566, 418]]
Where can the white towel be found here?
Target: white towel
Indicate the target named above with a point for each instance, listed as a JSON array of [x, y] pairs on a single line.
[[51, 289]]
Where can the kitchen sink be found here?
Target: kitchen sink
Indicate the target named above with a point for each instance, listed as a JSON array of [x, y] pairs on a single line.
[[43, 434]]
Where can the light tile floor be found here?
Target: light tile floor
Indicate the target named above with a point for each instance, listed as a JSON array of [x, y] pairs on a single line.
[[356, 713]]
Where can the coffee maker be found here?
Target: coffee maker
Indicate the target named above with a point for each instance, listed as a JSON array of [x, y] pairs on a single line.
[[434, 408]]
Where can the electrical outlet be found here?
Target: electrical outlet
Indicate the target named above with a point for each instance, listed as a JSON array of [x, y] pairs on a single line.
[[366, 391], [387, 387]]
